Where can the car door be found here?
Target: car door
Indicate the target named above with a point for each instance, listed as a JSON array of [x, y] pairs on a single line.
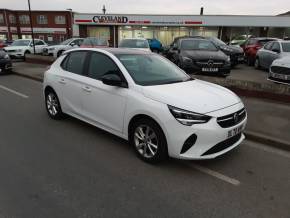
[[71, 82], [103, 104], [39, 45], [263, 54], [273, 54]]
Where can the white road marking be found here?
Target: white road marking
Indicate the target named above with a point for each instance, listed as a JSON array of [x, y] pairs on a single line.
[[13, 91], [217, 175], [269, 149]]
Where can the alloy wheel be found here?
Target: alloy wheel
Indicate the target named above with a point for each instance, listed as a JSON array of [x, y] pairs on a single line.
[[146, 141], [52, 104]]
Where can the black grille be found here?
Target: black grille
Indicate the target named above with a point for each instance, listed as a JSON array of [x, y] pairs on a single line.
[[279, 80], [209, 63], [223, 145], [280, 70], [232, 119], [188, 143]]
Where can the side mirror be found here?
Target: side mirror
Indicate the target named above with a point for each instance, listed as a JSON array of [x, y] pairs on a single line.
[[276, 50], [31, 45], [112, 79], [72, 44]]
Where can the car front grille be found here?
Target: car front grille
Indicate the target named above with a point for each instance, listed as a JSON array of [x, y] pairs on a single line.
[[223, 145], [210, 63], [10, 51], [280, 70], [232, 119]]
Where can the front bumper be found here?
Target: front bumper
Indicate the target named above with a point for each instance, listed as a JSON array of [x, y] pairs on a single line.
[[279, 75], [15, 54], [211, 139], [5, 65], [193, 66]]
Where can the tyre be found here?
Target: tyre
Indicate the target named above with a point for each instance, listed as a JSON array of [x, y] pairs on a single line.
[[53, 106], [26, 53], [257, 64], [148, 140]]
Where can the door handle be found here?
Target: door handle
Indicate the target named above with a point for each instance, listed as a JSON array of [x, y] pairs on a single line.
[[62, 81], [87, 89]]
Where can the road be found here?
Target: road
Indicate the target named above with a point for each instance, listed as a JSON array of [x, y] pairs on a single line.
[[70, 169]]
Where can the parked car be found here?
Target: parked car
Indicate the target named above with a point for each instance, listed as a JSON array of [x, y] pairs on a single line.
[[236, 53], [280, 70], [135, 43], [200, 55], [20, 47], [94, 42], [155, 45], [146, 99], [57, 50], [5, 62], [252, 46], [240, 40], [270, 52]]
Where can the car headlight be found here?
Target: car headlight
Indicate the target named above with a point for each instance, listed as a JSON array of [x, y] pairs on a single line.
[[6, 56], [228, 59], [227, 49], [51, 49], [188, 118], [19, 50], [186, 60]]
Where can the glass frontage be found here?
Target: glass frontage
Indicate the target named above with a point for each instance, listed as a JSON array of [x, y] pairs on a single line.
[[99, 32]]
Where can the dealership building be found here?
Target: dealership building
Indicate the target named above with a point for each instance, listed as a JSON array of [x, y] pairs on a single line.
[[165, 28]]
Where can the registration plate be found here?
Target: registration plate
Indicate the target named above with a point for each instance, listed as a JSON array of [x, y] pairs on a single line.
[[209, 69], [280, 76], [240, 58], [235, 131]]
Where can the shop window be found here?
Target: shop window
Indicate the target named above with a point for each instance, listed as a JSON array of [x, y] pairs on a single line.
[[59, 19], [26, 36], [24, 19], [1, 18], [42, 19], [12, 19], [14, 37]]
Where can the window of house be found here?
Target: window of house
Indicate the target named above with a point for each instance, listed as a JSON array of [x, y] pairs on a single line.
[[1, 18], [42, 19], [24, 19], [12, 19], [60, 19]]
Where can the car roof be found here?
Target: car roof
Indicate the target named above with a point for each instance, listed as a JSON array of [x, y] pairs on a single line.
[[114, 51]]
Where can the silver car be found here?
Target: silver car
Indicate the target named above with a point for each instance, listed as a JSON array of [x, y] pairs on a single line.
[[270, 52]]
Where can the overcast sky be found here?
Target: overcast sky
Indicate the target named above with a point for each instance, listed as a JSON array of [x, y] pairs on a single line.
[[244, 7]]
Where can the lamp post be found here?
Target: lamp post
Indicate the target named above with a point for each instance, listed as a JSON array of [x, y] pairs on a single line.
[[31, 26]]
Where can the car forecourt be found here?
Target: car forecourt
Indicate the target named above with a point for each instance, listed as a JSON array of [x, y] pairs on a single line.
[[165, 28]]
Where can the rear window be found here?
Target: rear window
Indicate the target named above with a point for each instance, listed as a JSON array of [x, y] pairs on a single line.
[[286, 46]]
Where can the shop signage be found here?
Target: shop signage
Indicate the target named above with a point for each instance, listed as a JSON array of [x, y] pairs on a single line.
[[110, 19]]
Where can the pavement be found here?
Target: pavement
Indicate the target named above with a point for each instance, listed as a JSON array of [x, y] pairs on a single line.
[[269, 121], [70, 169]]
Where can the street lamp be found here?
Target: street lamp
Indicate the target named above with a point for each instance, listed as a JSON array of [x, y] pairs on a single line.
[[31, 26]]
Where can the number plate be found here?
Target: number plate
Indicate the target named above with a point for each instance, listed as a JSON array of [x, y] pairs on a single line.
[[235, 131], [240, 58], [209, 69]]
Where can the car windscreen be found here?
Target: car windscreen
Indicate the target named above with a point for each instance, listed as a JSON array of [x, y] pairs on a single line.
[[134, 43], [197, 44], [217, 41], [264, 41], [286, 46], [95, 42], [21, 43], [152, 69]]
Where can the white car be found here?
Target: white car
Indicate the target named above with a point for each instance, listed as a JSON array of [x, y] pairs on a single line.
[[144, 98], [135, 43], [57, 50], [19, 48], [279, 71]]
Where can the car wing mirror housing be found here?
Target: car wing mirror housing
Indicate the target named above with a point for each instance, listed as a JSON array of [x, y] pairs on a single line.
[[113, 79]]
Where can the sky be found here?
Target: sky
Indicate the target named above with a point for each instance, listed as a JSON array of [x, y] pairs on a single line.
[[237, 7]]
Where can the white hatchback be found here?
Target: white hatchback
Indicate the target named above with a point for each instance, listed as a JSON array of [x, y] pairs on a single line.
[[144, 98]]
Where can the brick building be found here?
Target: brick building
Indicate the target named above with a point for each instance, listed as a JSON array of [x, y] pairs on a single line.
[[51, 26]]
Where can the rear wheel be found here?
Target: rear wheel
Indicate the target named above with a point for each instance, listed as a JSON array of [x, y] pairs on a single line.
[[53, 107], [26, 53], [148, 140]]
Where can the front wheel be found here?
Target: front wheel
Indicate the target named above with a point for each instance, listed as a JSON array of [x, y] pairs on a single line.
[[148, 140], [53, 107]]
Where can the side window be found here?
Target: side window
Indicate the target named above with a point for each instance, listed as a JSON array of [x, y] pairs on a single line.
[[268, 46], [75, 62], [38, 42], [101, 64], [276, 47]]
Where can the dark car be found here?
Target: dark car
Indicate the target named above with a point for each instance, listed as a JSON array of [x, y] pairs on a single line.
[[252, 46], [5, 62], [200, 55], [236, 53], [155, 45]]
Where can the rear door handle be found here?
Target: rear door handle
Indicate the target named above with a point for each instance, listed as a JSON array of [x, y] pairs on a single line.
[[62, 81], [87, 89]]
